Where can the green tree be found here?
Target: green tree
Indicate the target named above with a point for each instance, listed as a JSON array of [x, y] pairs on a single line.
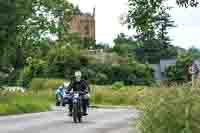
[[77, 11], [27, 23], [142, 13], [101, 46], [7, 32], [151, 21], [87, 43], [123, 39], [179, 71], [63, 61], [125, 45], [164, 22], [25, 28]]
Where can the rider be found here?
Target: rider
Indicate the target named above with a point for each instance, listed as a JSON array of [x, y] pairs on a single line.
[[79, 85], [195, 73], [60, 93]]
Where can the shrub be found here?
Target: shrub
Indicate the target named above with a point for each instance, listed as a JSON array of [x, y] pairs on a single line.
[[130, 74], [101, 79], [62, 62], [39, 84], [53, 83], [124, 96], [117, 85], [179, 71]]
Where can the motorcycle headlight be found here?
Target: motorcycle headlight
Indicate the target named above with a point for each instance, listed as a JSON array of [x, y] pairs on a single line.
[[75, 101], [76, 95]]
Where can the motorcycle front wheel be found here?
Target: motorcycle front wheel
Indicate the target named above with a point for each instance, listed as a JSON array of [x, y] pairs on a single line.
[[77, 115]]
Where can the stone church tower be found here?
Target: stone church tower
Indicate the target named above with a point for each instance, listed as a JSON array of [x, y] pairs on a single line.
[[84, 25]]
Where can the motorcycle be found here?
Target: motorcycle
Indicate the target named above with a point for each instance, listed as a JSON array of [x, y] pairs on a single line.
[[62, 97], [77, 111]]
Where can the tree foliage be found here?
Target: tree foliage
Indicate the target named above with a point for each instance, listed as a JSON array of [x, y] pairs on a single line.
[[152, 22], [131, 74], [151, 50], [142, 13], [63, 61], [179, 71], [25, 24], [125, 45]]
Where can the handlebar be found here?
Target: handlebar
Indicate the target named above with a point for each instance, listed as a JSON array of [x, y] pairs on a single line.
[[80, 92]]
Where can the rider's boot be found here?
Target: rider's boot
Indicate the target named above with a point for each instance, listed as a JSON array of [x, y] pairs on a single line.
[[70, 109], [85, 110]]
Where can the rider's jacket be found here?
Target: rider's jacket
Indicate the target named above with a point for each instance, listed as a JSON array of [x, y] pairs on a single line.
[[60, 91], [79, 86]]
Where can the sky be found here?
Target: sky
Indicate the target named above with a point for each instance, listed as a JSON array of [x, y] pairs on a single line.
[[108, 26]]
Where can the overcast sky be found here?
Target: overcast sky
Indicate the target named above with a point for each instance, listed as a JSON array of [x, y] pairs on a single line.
[[108, 12]]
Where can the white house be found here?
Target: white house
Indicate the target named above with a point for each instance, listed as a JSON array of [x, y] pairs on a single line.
[[160, 69]]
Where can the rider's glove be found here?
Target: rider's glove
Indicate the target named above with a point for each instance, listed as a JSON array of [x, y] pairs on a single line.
[[88, 95]]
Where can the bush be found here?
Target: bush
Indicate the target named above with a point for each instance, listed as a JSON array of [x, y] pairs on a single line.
[[53, 83], [124, 96], [101, 79], [130, 74], [39, 84], [62, 62], [117, 85], [171, 111], [179, 71]]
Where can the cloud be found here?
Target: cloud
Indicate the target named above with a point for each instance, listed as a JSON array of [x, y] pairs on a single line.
[[187, 32]]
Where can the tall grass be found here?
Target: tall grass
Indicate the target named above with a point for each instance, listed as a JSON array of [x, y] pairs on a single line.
[[17, 103], [171, 110], [165, 109], [41, 84], [113, 96]]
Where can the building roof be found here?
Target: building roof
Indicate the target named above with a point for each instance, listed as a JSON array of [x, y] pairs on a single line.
[[165, 63]]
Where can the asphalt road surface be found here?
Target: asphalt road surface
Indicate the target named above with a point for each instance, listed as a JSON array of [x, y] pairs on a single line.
[[98, 121]]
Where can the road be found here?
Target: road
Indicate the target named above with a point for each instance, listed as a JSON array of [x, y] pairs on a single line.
[[98, 121]]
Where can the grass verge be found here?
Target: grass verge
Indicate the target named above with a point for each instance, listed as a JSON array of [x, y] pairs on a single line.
[[125, 96], [17, 103]]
